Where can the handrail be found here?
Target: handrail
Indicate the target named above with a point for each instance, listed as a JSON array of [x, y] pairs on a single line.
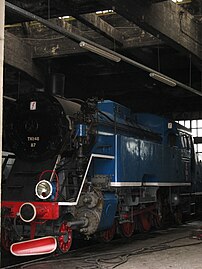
[[93, 155]]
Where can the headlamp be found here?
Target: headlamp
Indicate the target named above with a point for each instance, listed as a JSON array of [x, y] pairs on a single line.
[[43, 189]]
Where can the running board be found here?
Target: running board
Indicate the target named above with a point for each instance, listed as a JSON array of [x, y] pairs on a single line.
[[39, 246]]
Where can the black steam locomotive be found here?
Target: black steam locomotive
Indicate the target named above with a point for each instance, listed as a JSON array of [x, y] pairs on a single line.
[[93, 168]]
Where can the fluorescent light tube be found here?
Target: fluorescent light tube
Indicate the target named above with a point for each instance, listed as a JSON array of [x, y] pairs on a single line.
[[163, 79], [99, 51], [182, 1]]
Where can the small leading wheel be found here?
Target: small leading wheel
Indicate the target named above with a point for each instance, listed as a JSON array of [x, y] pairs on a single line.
[[127, 229], [65, 239], [107, 235]]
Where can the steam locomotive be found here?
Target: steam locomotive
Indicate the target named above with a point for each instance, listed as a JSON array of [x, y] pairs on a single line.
[[92, 168]]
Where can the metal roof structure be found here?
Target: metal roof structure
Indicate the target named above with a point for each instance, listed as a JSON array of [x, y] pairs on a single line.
[[152, 39]]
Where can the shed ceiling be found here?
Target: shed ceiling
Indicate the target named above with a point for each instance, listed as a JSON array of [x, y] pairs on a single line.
[[157, 34]]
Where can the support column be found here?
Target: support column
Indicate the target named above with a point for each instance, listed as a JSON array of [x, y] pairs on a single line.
[[2, 14]]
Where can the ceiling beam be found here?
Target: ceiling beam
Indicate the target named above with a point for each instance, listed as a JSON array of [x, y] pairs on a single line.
[[103, 51], [167, 21], [18, 54], [185, 115], [102, 27], [53, 9], [63, 46], [67, 26]]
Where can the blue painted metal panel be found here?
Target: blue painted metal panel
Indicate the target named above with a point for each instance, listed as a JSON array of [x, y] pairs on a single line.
[[128, 159], [109, 210], [102, 166], [156, 123], [151, 158], [145, 161], [138, 160], [104, 144], [114, 111]]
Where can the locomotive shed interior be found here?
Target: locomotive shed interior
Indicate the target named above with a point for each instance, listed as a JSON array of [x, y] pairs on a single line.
[[160, 35], [43, 51]]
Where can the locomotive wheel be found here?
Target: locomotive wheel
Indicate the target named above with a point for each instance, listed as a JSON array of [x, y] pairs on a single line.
[[65, 239], [162, 212], [158, 218], [178, 216], [127, 229], [107, 235], [145, 219]]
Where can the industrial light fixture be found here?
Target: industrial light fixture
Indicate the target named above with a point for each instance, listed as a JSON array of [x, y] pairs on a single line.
[[163, 79], [9, 98], [104, 12], [99, 51], [116, 56], [181, 2]]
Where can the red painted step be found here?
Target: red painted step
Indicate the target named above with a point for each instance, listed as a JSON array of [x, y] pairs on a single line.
[[39, 246]]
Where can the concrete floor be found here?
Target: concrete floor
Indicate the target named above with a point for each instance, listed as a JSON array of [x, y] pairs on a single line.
[[166, 249], [185, 253]]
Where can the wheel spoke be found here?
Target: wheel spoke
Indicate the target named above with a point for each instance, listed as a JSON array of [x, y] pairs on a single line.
[[64, 240]]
